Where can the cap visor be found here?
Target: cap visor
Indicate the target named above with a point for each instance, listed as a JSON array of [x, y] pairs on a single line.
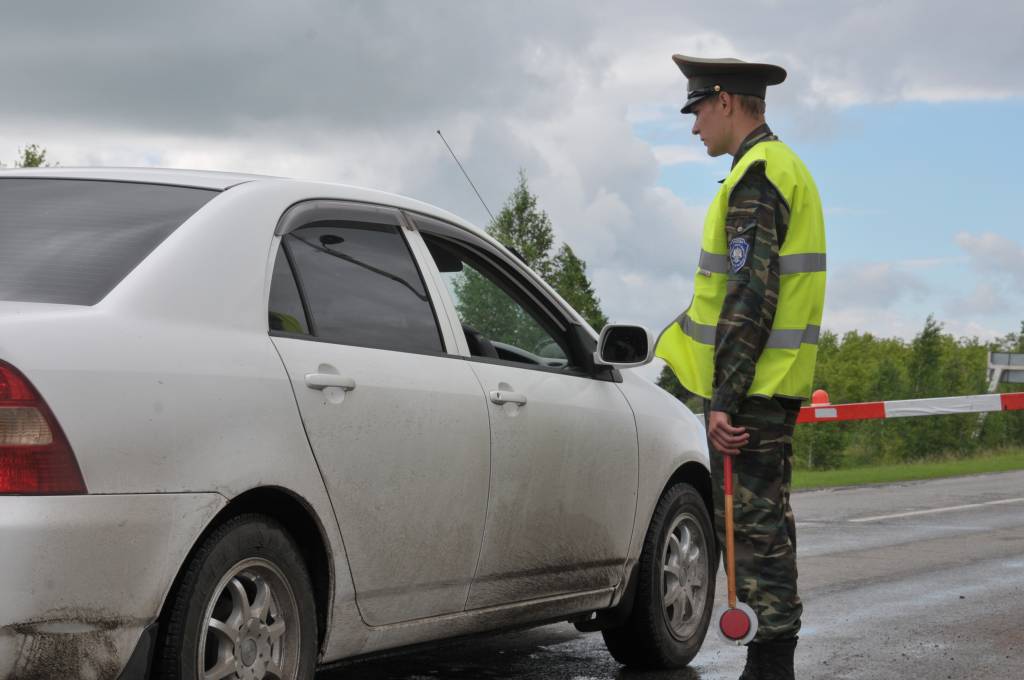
[[691, 102]]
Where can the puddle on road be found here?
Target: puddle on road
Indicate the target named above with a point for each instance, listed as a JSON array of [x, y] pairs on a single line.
[[550, 653]]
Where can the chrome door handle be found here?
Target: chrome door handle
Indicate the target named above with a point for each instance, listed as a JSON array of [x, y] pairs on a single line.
[[505, 397], [319, 381]]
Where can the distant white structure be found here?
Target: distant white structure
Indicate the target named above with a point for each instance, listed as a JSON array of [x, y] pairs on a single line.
[[1004, 367]]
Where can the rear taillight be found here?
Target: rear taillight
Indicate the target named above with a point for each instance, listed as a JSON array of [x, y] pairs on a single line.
[[35, 457]]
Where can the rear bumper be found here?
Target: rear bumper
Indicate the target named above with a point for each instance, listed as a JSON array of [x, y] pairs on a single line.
[[82, 576]]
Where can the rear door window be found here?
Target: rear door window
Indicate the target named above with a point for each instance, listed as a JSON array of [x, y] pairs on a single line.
[[70, 241], [361, 285]]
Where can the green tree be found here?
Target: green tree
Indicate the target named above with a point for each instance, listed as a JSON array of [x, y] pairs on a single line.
[[822, 447], [1011, 342], [526, 229], [925, 437], [32, 156], [925, 359], [488, 309], [569, 278]]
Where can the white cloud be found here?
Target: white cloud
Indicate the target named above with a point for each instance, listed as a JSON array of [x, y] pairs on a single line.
[[677, 154], [984, 300], [904, 323], [892, 299], [884, 323], [874, 286], [938, 94], [998, 261], [994, 255], [641, 297], [970, 328]]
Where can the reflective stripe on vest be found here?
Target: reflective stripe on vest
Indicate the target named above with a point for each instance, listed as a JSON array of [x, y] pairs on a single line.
[[778, 339], [788, 264], [786, 366]]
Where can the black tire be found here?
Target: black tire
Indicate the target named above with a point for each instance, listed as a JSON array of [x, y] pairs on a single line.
[[648, 639], [250, 559]]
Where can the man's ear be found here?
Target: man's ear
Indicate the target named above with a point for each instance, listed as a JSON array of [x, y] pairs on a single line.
[[726, 102]]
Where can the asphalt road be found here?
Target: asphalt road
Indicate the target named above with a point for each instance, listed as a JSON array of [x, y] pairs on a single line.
[[919, 580]]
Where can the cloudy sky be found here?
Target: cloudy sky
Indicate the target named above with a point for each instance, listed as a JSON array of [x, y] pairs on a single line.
[[908, 112]]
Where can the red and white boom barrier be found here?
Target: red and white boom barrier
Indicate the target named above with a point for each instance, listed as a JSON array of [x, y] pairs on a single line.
[[820, 411]]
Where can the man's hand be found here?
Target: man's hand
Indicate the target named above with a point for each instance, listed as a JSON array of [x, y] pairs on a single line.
[[724, 437]]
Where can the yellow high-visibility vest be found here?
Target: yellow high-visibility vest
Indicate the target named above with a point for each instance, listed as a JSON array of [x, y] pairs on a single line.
[[786, 366]]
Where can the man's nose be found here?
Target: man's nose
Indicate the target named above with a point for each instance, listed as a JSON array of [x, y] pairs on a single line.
[[694, 129]]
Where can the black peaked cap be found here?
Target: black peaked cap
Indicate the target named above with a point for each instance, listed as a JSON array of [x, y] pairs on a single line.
[[706, 77]]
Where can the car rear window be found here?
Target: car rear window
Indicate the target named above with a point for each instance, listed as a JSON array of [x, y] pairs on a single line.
[[70, 241]]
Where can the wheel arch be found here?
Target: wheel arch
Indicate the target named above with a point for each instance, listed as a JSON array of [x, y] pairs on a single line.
[[300, 521], [697, 476], [692, 473]]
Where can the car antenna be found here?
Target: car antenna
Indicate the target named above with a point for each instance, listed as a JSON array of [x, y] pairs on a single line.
[[467, 175]]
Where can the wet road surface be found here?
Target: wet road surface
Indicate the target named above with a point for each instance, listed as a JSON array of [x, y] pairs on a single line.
[[916, 580]]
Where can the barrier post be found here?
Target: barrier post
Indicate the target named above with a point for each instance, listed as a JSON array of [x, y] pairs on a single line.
[[1002, 367]]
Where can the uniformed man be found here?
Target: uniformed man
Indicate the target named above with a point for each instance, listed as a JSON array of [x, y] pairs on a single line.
[[748, 341]]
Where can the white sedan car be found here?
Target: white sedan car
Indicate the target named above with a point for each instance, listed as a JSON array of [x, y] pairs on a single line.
[[252, 426]]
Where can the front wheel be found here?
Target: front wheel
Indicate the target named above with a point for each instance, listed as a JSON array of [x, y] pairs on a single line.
[[243, 609], [676, 588]]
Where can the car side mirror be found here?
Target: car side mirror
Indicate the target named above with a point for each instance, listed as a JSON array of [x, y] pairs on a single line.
[[624, 346]]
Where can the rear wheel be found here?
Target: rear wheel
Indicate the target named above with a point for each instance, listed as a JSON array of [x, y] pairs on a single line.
[[243, 609], [676, 588]]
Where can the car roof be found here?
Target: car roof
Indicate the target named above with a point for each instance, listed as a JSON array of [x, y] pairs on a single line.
[[220, 181], [202, 179]]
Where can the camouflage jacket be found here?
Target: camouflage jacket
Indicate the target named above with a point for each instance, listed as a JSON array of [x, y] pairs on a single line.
[[758, 215]]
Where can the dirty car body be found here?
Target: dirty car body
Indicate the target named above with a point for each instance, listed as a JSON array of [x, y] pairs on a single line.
[[202, 349]]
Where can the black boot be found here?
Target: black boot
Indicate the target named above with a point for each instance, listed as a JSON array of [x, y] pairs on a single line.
[[750, 671], [775, 659]]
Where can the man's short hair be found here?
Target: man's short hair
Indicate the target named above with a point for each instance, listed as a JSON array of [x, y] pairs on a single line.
[[750, 104]]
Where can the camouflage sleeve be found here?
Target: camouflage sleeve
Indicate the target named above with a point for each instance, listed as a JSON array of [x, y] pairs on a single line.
[[755, 227]]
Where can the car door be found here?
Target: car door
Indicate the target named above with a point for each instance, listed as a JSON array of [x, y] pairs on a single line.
[[398, 426], [564, 458]]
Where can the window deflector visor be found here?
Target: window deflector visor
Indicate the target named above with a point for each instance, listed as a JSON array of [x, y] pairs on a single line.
[[326, 210]]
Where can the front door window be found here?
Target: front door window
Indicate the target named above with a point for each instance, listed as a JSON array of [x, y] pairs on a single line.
[[492, 312]]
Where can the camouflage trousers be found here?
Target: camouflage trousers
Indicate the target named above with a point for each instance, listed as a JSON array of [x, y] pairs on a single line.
[[764, 526]]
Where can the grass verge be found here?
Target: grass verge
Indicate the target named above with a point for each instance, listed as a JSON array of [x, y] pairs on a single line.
[[1000, 461]]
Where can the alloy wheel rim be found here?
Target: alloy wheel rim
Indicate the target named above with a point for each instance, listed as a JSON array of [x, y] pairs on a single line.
[[684, 576], [250, 626]]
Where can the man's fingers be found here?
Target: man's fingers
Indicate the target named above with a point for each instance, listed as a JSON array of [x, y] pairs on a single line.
[[727, 443], [730, 429], [730, 435], [724, 436], [731, 439]]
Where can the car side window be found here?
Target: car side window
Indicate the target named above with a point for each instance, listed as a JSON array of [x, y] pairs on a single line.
[[286, 312], [498, 319], [361, 285]]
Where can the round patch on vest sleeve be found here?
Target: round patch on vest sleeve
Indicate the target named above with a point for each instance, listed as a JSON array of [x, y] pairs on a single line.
[[738, 250]]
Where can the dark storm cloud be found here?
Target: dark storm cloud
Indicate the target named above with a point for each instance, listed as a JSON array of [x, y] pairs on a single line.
[[353, 91], [220, 66]]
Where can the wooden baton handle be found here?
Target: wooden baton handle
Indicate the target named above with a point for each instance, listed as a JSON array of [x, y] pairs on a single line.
[[730, 560]]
